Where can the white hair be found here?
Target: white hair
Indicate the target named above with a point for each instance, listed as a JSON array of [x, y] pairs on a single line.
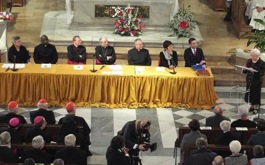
[[225, 125], [38, 142], [42, 105], [235, 146], [243, 111], [103, 38], [5, 138], [255, 51], [70, 140]]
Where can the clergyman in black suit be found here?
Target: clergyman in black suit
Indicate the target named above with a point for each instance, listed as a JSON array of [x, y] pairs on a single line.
[[12, 108], [194, 55], [43, 111], [258, 138], [214, 121], [7, 155]]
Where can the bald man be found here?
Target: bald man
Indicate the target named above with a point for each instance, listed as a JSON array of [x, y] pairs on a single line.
[[105, 54], [218, 160], [45, 52], [139, 55], [214, 121]]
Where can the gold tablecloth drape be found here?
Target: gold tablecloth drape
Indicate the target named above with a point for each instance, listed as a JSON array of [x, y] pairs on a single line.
[[105, 88]]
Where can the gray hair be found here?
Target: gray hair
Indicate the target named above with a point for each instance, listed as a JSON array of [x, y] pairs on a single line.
[[225, 125], [58, 162], [201, 142], [218, 110], [15, 38], [5, 138], [38, 142], [218, 160], [235, 146], [103, 38], [70, 140], [255, 51], [258, 151], [75, 37], [137, 39], [243, 111]]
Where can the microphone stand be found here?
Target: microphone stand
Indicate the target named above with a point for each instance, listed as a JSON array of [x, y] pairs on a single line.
[[93, 70], [172, 60], [14, 69]]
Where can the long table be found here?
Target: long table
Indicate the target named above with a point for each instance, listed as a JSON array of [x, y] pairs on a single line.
[[107, 88]]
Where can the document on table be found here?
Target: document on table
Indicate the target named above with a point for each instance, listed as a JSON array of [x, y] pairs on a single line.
[[160, 69], [241, 128], [115, 67], [139, 70], [78, 67], [46, 65], [19, 66]]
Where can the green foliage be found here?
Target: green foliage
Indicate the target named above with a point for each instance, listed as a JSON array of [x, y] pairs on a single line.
[[256, 37]]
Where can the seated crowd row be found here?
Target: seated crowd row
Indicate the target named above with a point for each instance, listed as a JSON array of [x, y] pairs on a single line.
[[105, 54]]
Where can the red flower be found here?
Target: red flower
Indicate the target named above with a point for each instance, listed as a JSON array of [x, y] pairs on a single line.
[[134, 32], [183, 25], [129, 11], [138, 17], [122, 21], [136, 22], [10, 17], [126, 30], [120, 14], [141, 25], [4, 17], [120, 29], [116, 23]]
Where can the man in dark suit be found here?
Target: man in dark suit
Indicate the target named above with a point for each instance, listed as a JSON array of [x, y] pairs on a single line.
[[138, 55], [71, 154], [202, 156], [7, 155], [214, 121], [258, 138], [80, 121], [12, 112], [36, 153], [43, 111], [105, 54], [226, 137], [37, 129], [13, 127], [76, 52], [243, 121], [194, 55]]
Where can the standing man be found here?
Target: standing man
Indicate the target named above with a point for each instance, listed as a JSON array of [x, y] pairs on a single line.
[[138, 55], [194, 55], [254, 69], [105, 54], [76, 52], [258, 12], [45, 52], [17, 52]]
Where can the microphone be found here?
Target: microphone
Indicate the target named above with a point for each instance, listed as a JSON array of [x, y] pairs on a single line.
[[14, 66], [172, 60]]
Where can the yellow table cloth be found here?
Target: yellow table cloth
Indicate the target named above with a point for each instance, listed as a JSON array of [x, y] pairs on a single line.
[[134, 86]]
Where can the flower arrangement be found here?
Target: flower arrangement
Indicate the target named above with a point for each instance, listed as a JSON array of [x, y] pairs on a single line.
[[128, 21], [183, 23], [6, 16]]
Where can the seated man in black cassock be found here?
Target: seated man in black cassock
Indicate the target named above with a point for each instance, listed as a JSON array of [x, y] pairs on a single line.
[[194, 55], [7, 155], [43, 111], [138, 55], [105, 54], [45, 52], [12, 109], [17, 52], [76, 52]]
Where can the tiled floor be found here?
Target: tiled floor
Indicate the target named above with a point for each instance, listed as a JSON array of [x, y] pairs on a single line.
[[165, 122]]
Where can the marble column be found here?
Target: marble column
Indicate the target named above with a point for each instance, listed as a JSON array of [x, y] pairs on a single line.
[[3, 46], [69, 12]]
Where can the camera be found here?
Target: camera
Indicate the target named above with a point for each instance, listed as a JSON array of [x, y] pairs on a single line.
[[145, 139]]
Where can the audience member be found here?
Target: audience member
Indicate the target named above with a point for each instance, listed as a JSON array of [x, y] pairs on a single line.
[[29, 161], [194, 55], [190, 138], [12, 109], [258, 153], [13, 127], [43, 111], [37, 129], [139, 55], [218, 160], [69, 126], [226, 137], [105, 54], [257, 13], [236, 158], [259, 137], [214, 121], [79, 121], [17, 52], [71, 154], [116, 153], [36, 152], [76, 52], [243, 121], [58, 162], [202, 156], [168, 57], [45, 52], [7, 155]]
